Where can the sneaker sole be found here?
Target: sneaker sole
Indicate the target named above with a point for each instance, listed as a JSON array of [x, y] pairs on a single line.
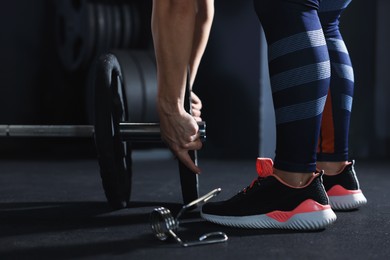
[[343, 199], [347, 202], [309, 215]]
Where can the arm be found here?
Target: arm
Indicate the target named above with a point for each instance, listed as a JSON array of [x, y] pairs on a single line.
[[203, 23], [176, 34]]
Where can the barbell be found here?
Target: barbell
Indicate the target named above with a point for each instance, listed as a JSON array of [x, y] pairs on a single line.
[[113, 131], [131, 132]]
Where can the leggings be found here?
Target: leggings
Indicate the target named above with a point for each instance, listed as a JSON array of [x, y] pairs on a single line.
[[311, 79]]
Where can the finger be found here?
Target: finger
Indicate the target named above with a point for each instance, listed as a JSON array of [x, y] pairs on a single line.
[[195, 137], [196, 145], [196, 103], [198, 119], [196, 107], [192, 138], [196, 113], [185, 158], [195, 98]]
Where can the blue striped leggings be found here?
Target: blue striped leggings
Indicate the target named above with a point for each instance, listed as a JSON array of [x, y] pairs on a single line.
[[311, 79]]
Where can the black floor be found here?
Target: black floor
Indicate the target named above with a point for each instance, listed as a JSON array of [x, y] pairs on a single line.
[[57, 210]]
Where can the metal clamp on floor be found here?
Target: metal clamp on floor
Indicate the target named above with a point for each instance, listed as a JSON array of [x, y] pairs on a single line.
[[164, 225]]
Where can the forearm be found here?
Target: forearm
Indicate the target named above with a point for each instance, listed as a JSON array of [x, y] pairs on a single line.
[[180, 31], [173, 25], [203, 23]]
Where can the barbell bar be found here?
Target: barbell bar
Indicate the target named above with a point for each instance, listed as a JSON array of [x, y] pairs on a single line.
[[46, 130], [132, 132]]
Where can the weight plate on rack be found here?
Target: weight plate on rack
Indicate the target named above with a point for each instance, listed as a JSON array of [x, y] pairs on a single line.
[[92, 37], [135, 24], [74, 33], [149, 81], [126, 25], [101, 29], [117, 26], [107, 5]]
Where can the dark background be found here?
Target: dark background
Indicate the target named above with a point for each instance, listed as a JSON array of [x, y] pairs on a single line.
[[35, 88]]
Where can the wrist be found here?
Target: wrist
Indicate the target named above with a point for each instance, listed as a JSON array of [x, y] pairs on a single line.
[[168, 106]]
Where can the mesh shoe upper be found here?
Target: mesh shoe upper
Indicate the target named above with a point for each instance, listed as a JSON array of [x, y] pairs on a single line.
[[343, 189], [267, 194], [347, 179]]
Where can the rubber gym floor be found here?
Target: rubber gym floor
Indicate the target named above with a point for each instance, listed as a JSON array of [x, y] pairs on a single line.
[[56, 209]]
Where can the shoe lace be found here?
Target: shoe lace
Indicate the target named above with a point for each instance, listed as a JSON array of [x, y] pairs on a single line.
[[264, 168], [255, 181]]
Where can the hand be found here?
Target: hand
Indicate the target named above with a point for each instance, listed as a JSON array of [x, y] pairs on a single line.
[[196, 106], [179, 131]]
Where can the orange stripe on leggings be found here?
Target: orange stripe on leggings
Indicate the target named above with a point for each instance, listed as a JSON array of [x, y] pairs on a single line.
[[326, 144]]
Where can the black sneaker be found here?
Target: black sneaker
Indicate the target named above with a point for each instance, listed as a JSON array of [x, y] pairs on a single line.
[[270, 203], [344, 190]]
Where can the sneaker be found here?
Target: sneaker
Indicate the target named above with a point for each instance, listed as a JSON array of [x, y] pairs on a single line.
[[271, 203], [344, 190]]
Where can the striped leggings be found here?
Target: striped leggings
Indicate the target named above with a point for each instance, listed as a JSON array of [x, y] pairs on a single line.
[[312, 81]]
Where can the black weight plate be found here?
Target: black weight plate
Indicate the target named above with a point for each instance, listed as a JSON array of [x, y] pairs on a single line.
[[135, 24], [112, 152], [132, 78], [117, 26], [73, 33], [109, 26], [144, 40], [100, 18], [148, 72], [126, 26], [188, 179], [90, 44]]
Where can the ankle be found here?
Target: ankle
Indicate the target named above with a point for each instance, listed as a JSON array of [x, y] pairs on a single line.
[[294, 179], [332, 168]]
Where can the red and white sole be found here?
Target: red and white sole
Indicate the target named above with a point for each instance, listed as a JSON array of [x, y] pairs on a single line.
[[343, 199], [309, 215]]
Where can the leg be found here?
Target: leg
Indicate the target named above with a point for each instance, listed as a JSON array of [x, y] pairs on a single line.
[[288, 194], [300, 72], [340, 178], [333, 143]]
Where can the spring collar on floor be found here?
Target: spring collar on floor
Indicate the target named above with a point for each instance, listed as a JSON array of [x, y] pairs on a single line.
[[164, 225]]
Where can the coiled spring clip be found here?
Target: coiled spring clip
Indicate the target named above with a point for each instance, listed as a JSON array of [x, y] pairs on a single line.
[[164, 225]]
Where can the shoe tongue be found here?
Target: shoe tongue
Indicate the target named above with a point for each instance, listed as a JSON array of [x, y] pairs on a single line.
[[264, 167]]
